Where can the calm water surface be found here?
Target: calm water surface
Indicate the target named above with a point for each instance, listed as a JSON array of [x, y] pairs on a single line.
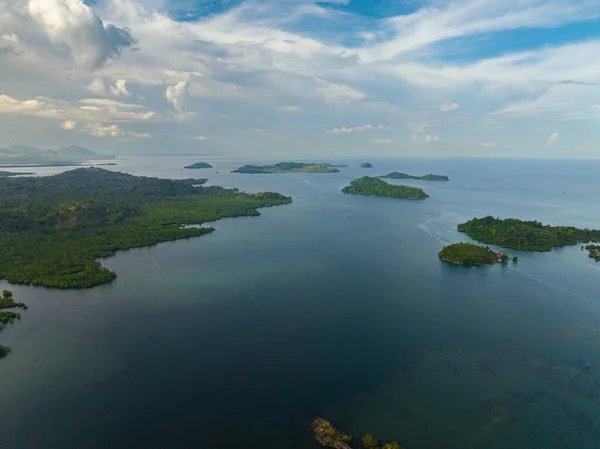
[[335, 305]]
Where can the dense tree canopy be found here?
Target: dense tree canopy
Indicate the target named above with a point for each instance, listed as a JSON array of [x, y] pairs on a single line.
[[289, 167], [430, 177], [525, 235], [376, 187], [469, 254], [55, 228]]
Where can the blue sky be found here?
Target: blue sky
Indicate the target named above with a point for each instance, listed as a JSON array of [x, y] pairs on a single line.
[[298, 78]]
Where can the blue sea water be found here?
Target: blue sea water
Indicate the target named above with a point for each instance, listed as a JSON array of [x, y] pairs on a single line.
[[333, 306]]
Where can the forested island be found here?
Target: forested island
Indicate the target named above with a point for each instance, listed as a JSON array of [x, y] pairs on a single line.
[[430, 177], [328, 436], [525, 235], [366, 165], [199, 165], [370, 186], [593, 252], [289, 167], [7, 302], [6, 174], [469, 255], [55, 228]]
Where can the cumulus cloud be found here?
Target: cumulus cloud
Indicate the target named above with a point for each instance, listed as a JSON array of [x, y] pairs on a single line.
[[119, 89], [382, 141], [341, 130], [37, 107], [199, 138], [69, 125], [552, 139], [449, 107], [100, 130], [360, 128], [91, 41], [174, 94], [290, 108]]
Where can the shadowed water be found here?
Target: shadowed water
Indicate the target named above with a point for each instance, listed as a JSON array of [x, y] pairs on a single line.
[[336, 305]]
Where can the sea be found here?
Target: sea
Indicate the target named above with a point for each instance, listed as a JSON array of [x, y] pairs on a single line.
[[335, 306]]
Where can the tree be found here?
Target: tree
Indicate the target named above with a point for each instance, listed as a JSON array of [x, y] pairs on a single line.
[[7, 294], [392, 445], [369, 441], [515, 259]]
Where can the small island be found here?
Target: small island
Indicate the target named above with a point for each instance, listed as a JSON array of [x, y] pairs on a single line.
[[328, 436], [593, 252], [525, 235], [369, 186], [289, 167], [6, 174], [198, 165], [366, 165], [7, 302], [470, 255], [430, 177]]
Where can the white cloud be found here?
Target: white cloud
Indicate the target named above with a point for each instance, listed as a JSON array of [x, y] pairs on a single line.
[[290, 108], [448, 107], [489, 145], [174, 94], [75, 24], [119, 89], [100, 130], [382, 141], [341, 130], [360, 128], [431, 138], [69, 125], [199, 138], [552, 139]]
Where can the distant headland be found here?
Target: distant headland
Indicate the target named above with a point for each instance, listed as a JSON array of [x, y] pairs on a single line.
[[199, 165], [289, 167], [430, 177], [366, 165], [370, 186], [22, 155]]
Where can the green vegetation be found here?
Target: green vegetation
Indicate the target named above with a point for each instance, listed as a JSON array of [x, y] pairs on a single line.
[[470, 255], [4, 351], [525, 235], [14, 173], [430, 177], [8, 317], [366, 165], [376, 187], [594, 252], [289, 167], [199, 165], [21, 154], [55, 228], [329, 436], [7, 301]]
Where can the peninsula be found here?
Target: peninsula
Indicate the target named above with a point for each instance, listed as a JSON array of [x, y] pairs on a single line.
[[289, 167], [7, 302], [469, 255], [199, 165], [328, 436], [366, 165], [430, 177], [525, 235], [370, 186], [6, 174], [91, 213]]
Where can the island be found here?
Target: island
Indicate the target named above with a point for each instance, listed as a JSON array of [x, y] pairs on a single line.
[[366, 165], [469, 255], [289, 167], [56, 228], [22, 155], [525, 235], [199, 165], [370, 186], [328, 436], [7, 302], [14, 173], [430, 177], [593, 252]]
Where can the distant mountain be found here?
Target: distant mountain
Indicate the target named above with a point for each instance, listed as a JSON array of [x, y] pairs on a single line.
[[24, 149], [75, 153]]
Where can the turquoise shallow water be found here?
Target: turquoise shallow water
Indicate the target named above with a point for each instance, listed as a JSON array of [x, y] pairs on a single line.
[[335, 305]]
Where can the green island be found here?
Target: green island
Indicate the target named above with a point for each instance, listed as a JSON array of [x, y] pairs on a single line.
[[328, 436], [366, 165], [14, 173], [289, 167], [525, 235], [430, 177], [199, 165], [55, 228], [7, 302], [470, 255], [22, 155], [370, 186], [593, 252]]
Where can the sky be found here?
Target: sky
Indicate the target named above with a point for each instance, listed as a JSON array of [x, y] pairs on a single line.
[[299, 78]]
